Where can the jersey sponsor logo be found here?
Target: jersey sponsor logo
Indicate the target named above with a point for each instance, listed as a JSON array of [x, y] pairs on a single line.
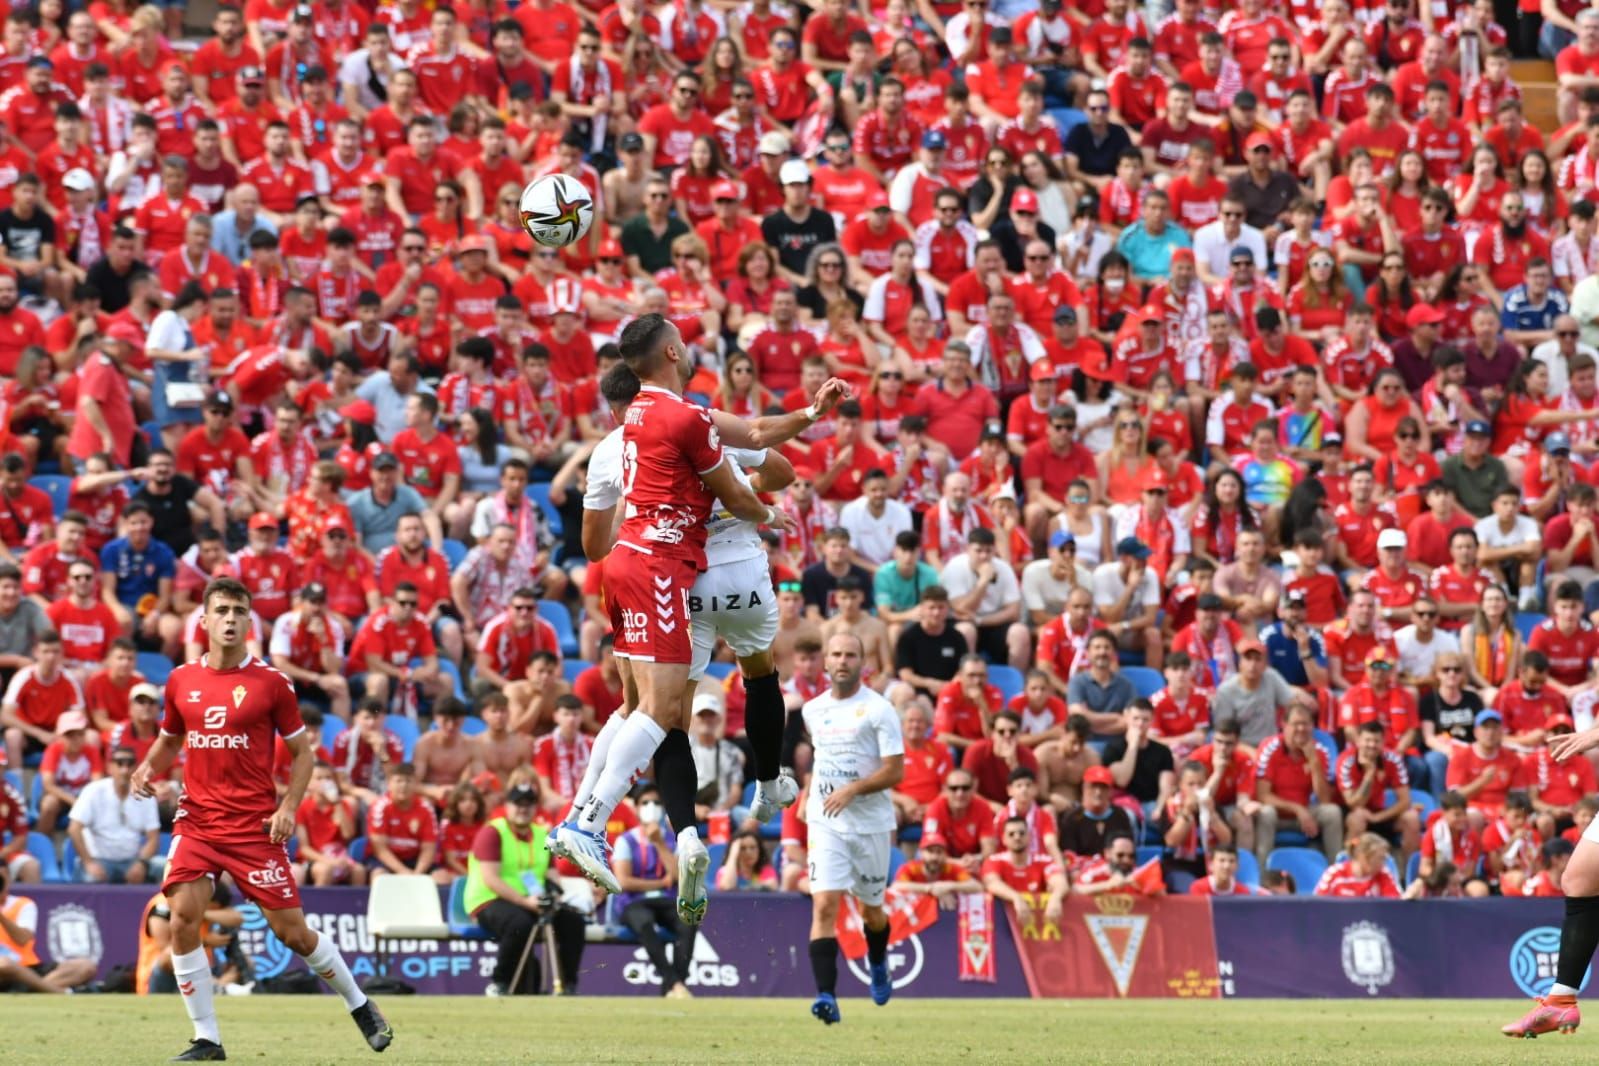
[[238, 695], [215, 717], [635, 625], [1368, 958], [733, 601]]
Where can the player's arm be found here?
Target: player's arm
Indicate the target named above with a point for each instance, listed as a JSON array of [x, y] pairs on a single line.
[[598, 527], [770, 430], [301, 746], [162, 754], [773, 475], [740, 500]]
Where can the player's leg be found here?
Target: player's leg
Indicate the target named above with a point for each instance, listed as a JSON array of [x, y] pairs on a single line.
[[191, 963], [824, 951], [1579, 938], [765, 711], [323, 958], [869, 857], [678, 780]]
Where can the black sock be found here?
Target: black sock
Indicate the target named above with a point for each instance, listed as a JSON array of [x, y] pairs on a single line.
[[824, 963], [764, 724], [876, 945], [1579, 937], [677, 779], [793, 737]]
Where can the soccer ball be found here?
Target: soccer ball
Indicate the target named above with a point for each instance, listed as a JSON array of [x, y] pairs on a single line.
[[556, 210]]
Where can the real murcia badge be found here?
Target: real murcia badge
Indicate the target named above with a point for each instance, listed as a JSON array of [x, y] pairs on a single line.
[[238, 695]]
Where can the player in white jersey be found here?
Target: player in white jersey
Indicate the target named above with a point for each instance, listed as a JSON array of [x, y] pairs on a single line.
[[732, 598], [859, 757]]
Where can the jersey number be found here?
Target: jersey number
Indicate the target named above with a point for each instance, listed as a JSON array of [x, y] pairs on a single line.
[[629, 466], [215, 717]]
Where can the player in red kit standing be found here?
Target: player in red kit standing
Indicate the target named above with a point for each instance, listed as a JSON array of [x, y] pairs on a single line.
[[225, 709], [672, 471]]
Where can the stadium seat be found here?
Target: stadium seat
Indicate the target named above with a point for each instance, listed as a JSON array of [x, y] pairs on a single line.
[[1422, 801], [1007, 679], [720, 671], [896, 859], [1146, 680], [331, 728], [1248, 868], [405, 729], [460, 922], [43, 848], [570, 668], [1526, 621], [164, 845], [69, 860], [453, 672], [403, 907], [718, 854], [558, 616], [472, 725], [155, 667], [357, 849], [541, 494], [1147, 852], [35, 797], [14, 779], [454, 552], [1412, 867], [910, 834], [1304, 865], [57, 486], [1329, 744]]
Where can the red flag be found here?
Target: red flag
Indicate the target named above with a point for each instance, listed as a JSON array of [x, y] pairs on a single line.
[[1149, 879], [975, 936], [908, 913]]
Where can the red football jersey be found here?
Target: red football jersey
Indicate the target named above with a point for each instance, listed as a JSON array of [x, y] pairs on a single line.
[[228, 719], [670, 441]]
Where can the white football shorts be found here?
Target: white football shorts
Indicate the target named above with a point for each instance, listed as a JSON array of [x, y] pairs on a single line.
[[734, 601], [856, 863]]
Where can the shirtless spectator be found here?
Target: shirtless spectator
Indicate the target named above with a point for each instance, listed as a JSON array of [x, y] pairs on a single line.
[[444, 756]]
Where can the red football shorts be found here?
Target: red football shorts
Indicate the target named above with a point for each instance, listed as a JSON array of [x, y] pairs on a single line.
[[259, 867], [648, 600]]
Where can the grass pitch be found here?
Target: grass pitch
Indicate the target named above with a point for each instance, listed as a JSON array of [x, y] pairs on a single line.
[[311, 1030]]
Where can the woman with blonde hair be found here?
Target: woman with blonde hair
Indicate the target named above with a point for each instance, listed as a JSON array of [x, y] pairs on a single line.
[[512, 245], [1122, 466], [1491, 644], [740, 391], [723, 66], [885, 403], [1364, 873]]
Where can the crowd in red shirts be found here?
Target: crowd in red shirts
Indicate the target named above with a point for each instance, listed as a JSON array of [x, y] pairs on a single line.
[[1220, 471]]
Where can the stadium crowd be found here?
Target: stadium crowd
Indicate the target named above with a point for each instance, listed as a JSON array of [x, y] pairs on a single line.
[[1218, 488]]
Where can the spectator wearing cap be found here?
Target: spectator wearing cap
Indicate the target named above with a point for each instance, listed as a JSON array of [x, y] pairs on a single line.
[[1485, 771], [932, 874], [1254, 696], [1085, 828], [376, 511], [308, 645], [139, 730], [1380, 698], [1295, 789], [217, 454], [727, 231], [1210, 641], [1127, 597], [115, 832], [1047, 583], [344, 569], [1293, 648], [1266, 192], [288, 61], [1022, 226], [1160, 528], [985, 594], [914, 193], [1149, 243], [797, 229], [69, 764]]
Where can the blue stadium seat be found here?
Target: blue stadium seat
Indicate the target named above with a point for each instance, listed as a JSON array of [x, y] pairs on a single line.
[[1526, 621], [1329, 744], [454, 552], [1423, 801], [57, 486], [911, 834], [165, 845], [1413, 867], [155, 667], [896, 859], [718, 853], [1149, 851], [35, 797], [472, 725], [331, 728], [43, 848], [405, 729], [14, 779], [1146, 680], [558, 616], [719, 670], [1304, 865], [357, 849], [1007, 679], [541, 495], [1248, 868], [461, 923], [69, 861], [573, 667], [453, 672]]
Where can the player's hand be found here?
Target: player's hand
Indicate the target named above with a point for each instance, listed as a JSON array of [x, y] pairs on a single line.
[[280, 826], [785, 522], [835, 802], [1564, 747], [140, 784], [833, 392]]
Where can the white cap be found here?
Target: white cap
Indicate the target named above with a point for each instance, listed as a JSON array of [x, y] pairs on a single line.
[[773, 143], [794, 172], [78, 180], [1007, 491], [144, 688], [1392, 538], [707, 701]]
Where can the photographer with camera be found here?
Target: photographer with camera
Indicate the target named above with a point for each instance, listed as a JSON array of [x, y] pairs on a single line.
[[20, 967], [645, 863], [506, 894]]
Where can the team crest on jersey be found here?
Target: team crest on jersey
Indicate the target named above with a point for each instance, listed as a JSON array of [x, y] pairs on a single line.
[[238, 695]]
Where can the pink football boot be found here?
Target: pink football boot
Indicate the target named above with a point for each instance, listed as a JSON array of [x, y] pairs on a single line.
[[1553, 1014]]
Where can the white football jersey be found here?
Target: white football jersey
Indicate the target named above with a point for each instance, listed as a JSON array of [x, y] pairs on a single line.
[[732, 539], [605, 474], [851, 738]]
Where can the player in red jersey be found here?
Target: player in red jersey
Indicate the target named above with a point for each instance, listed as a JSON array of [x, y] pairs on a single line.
[[225, 709], [672, 471]]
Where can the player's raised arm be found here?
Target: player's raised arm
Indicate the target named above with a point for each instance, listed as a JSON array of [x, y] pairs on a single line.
[[774, 474], [770, 430]]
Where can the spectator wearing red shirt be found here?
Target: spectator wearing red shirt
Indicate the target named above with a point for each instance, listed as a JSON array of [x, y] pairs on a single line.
[[927, 764], [85, 621], [669, 128], [994, 760], [366, 754], [429, 461], [387, 649], [966, 707], [1528, 702], [1293, 784], [1428, 533], [956, 408], [402, 831], [1449, 837], [1485, 771], [1025, 879], [966, 822], [326, 824], [600, 688], [35, 700], [344, 571], [1364, 874], [1351, 639], [1365, 774]]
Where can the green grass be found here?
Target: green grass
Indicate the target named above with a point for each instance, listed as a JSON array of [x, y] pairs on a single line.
[[76, 1031]]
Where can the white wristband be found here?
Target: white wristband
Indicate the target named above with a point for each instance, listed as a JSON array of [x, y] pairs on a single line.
[[774, 517], [812, 413]]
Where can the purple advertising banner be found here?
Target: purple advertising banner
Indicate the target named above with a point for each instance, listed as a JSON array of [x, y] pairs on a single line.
[[1455, 949], [751, 945]]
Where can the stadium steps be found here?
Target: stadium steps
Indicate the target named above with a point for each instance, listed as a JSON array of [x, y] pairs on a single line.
[[1536, 77]]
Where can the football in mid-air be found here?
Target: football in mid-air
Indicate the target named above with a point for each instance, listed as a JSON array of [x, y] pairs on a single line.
[[556, 210]]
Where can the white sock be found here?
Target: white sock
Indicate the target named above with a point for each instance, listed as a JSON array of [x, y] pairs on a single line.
[[629, 757], [1559, 989], [326, 962], [192, 971], [591, 773]]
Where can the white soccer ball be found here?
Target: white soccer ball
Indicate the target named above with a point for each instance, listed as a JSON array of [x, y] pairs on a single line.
[[556, 210]]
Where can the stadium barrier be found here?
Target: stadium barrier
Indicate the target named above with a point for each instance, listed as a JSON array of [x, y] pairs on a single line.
[[1110, 946]]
